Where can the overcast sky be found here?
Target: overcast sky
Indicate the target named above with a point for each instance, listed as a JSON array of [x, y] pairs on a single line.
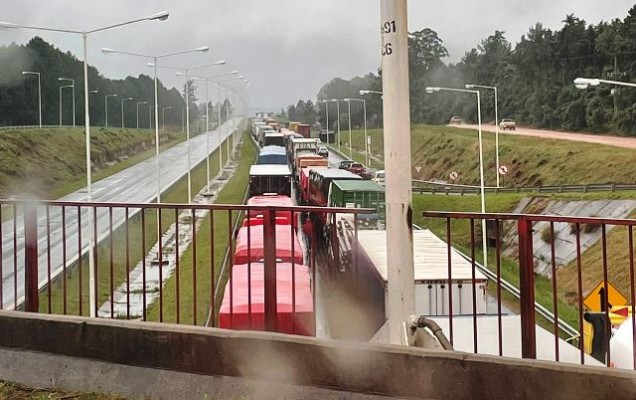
[[287, 48]]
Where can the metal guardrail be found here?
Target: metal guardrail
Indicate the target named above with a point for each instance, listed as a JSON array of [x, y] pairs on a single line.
[[26, 127], [449, 189]]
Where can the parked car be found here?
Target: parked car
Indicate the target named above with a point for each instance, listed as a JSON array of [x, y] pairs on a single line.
[[323, 151], [456, 121], [507, 124], [345, 164]]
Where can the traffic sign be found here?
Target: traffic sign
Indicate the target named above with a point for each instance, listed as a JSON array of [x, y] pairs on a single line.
[[418, 169], [503, 170], [595, 301], [453, 176]]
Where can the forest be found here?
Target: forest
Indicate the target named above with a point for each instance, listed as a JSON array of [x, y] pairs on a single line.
[[19, 92], [534, 80]]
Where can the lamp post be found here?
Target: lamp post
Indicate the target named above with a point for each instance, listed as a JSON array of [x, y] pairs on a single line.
[[161, 16], [338, 111], [481, 158], [366, 145], [106, 108], [150, 116], [163, 117], [39, 93], [364, 91], [184, 72], [155, 59], [327, 115], [139, 104], [122, 111], [72, 85], [471, 86], [60, 89]]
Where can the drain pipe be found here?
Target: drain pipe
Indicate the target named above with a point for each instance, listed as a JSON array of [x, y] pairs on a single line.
[[415, 322]]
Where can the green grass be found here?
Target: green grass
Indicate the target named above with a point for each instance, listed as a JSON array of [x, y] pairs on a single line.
[[13, 391], [211, 237], [531, 161], [69, 282]]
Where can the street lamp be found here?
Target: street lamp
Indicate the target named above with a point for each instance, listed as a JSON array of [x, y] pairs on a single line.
[[584, 83], [431, 90], [106, 106], [155, 58], [327, 114], [138, 104], [338, 111], [60, 90], [72, 85], [163, 116], [363, 92], [184, 72], [39, 93], [472, 86], [122, 110], [366, 142], [160, 16], [150, 116]]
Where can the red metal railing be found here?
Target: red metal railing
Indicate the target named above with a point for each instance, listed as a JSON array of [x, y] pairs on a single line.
[[548, 258], [45, 266]]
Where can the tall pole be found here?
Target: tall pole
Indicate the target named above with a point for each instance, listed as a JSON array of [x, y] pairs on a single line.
[[327, 112], [157, 137], [218, 93], [350, 144], [187, 99], [73, 86], [60, 106], [207, 133], [123, 125], [397, 155], [40, 99], [89, 191], [482, 182], [366, 141], [497, 136], [338, 110]]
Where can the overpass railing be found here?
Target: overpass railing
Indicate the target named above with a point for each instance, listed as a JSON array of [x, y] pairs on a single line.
[[575, 279]]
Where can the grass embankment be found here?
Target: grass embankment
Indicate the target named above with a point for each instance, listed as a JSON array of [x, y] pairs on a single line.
[[51, 162], [531, 161], [120, 246], [12, 391], [212, 235]]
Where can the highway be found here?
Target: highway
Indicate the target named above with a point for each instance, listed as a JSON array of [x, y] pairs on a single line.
[[137, 183], [616, 141]]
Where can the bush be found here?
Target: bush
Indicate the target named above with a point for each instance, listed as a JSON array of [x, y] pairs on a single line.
[[547, 235]]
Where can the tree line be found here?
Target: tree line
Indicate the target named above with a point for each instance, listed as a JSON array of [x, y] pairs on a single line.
[[19, 93], [534, 80]]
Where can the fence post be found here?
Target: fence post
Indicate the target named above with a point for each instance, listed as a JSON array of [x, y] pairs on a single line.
[[526, 287], [31, 300], [269, 242]]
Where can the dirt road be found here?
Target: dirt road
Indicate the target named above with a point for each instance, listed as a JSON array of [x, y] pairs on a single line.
[[624, 142]]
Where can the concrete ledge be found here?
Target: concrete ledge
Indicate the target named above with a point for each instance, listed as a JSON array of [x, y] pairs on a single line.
[[309, 363]]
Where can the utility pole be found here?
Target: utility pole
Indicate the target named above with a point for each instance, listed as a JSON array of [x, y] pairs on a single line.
[[397, 156]]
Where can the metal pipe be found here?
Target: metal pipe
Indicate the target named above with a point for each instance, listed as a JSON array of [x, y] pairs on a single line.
[[422, 322]]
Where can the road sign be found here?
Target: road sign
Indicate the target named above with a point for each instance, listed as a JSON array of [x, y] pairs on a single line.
[[453, 176], [595, 301], [418, 169], [503, 170]]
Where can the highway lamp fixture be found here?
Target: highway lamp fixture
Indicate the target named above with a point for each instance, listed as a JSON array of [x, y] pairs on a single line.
[[493, 88], [160, 16], [72, 86], [435, 89], [122, 110], [155, 58], [185, 72], [25, 73]]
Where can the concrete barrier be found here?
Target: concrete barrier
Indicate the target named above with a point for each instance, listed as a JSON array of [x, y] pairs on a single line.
[[307, 365]]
